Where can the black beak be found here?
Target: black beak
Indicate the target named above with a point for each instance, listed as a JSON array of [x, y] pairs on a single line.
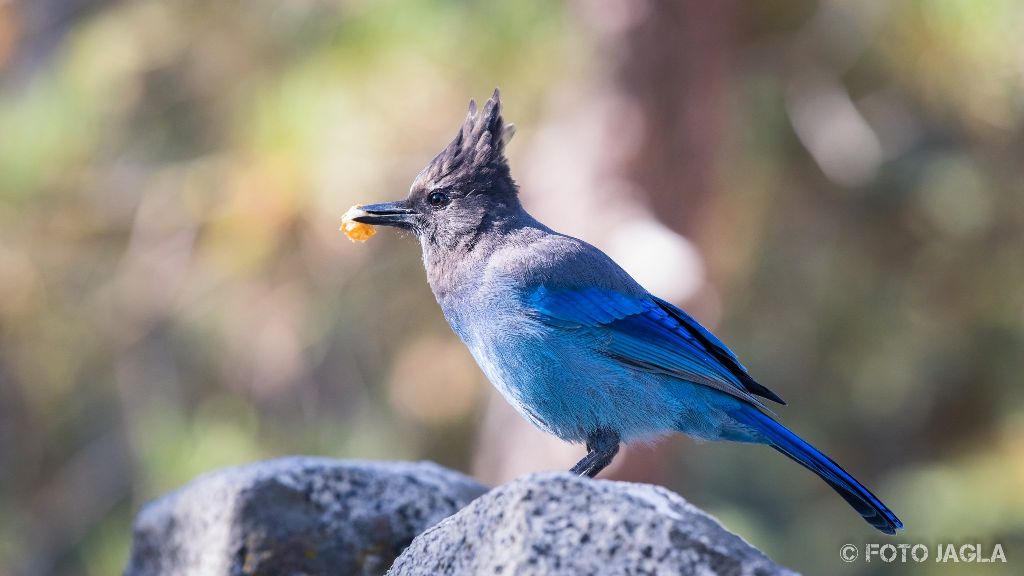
[[387, 214]]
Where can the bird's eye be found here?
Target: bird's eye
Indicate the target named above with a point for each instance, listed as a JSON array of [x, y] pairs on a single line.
[[438, 199]]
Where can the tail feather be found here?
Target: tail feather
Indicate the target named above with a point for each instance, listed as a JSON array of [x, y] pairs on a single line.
[[863, 501]]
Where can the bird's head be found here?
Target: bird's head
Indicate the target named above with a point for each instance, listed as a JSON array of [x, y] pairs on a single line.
[[465, 190]]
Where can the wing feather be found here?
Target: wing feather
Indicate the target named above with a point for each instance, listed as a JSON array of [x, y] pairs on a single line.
[[650, 334]]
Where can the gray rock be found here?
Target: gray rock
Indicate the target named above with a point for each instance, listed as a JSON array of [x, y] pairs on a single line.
[[555, 524], [295, 516]]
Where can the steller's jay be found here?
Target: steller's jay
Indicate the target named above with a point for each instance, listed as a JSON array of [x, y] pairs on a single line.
[[569, 338]]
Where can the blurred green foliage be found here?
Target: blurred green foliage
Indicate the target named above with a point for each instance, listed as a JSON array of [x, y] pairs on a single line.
[[174, 296]]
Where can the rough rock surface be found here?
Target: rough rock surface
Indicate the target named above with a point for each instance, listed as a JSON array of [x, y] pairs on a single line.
[[556, 524], [295, 516]]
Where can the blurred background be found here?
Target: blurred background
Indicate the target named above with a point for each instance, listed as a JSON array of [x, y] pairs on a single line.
[[835, 188]]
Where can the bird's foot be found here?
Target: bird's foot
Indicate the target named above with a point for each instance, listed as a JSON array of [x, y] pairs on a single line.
[[602, 446]]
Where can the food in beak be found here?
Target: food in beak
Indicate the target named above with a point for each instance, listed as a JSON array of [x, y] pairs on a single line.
[[356, 231]]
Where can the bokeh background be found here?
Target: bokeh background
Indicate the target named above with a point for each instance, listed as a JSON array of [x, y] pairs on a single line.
[[835, 187]]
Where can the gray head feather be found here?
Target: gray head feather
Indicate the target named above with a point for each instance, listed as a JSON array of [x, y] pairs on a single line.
[[476, 154]]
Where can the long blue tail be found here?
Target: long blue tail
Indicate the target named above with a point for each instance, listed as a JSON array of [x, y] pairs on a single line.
[[862, 500]]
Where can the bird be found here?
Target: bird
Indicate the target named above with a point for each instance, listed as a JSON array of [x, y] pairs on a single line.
[[567, 336]]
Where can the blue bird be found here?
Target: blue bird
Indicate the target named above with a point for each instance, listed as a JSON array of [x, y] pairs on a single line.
[[567, 336]]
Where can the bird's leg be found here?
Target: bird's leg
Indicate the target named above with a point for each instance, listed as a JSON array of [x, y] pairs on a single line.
[[602, 446]]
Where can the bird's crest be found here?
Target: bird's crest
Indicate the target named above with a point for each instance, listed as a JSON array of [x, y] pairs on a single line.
[[478, 150]]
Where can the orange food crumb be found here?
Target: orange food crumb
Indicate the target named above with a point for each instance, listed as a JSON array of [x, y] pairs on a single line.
[[356, 231]]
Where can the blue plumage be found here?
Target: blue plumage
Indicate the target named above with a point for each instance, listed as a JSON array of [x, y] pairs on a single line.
[[568, 337], [788, 443], [651, 334]]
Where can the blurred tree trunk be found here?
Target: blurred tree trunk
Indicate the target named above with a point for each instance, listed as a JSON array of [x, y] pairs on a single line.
[[641, 134], [673, 67]]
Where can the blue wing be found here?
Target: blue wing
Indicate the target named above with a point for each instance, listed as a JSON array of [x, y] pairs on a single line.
[[651, 334]]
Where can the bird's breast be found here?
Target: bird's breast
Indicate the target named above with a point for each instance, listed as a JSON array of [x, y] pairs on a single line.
[[514, 350]]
